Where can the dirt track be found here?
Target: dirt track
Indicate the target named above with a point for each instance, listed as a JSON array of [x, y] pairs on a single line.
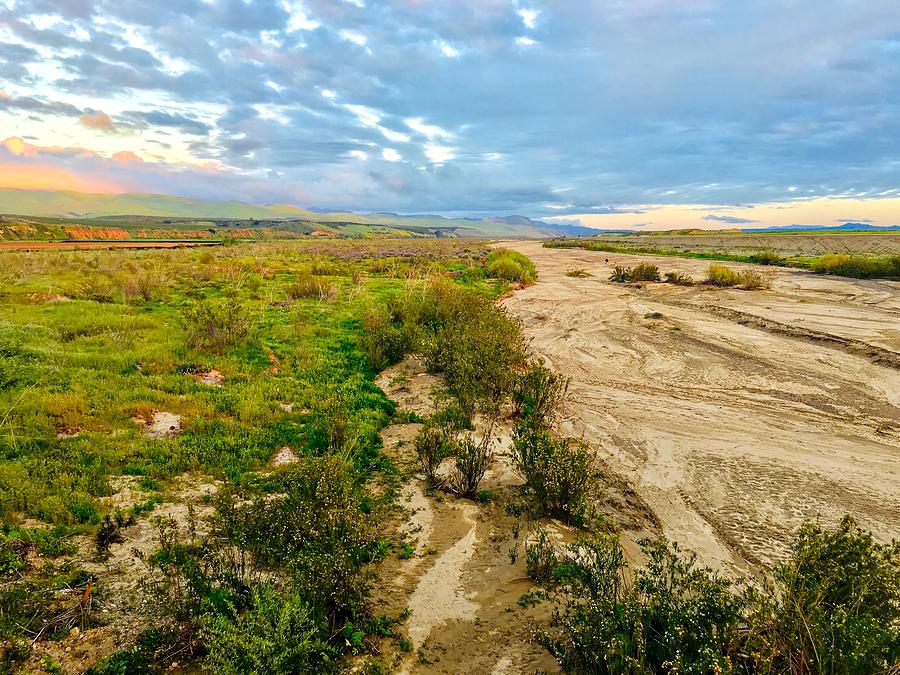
[[737, 414]]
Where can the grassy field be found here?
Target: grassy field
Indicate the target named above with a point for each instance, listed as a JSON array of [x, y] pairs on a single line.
[[229, 393]]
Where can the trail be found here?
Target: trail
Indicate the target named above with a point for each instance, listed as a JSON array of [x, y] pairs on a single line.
[[736, 414]]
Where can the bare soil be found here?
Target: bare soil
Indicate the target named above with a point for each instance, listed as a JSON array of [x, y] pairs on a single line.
[[736, 415]]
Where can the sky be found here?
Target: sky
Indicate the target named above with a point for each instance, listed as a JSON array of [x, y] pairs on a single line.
[[613, 113]]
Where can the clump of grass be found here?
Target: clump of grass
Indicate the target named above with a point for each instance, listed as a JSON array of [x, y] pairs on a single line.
[[642, 272], [512, 266], [679, 279], [578, 273], [720, 275], [216, 326], [753, 280]]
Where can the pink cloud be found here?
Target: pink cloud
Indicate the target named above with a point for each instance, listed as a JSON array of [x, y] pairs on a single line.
[[98, 120]]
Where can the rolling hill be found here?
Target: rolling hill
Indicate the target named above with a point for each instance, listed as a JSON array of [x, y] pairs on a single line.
[[95, 207]]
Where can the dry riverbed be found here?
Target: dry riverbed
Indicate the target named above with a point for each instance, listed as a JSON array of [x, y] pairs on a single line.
[[735, 414]]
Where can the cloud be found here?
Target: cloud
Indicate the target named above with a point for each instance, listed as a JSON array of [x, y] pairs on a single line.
[[99, 121], [491, 104], [126, 156], [732, 220]]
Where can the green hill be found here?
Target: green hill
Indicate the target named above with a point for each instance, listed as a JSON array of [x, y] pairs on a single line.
[[94, 207]]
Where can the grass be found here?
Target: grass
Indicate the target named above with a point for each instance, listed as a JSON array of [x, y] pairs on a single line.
[[860, 266], [92, 341]]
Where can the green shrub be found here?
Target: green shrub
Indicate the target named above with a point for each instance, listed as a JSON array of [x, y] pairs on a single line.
[[620, 274], [216, 326], [558, 471], [432, 446], [834, 607], [541, 558], [857, 266], [275, 634], [672, 617], [472, 461], [510, 265], [645, 272], [720, 275], [768, 257], [383, 342], [539, 393]]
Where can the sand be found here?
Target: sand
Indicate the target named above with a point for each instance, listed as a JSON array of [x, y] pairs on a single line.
[[736, 415]]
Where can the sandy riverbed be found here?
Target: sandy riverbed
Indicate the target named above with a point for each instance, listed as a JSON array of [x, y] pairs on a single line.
[[737, 414]]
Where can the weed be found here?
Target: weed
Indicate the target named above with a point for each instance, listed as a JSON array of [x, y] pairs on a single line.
[[679, 279]]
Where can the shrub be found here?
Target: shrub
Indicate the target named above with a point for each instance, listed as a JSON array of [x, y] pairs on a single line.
[[541, 558], [751, 280], [578, 273], [834, 608], [383, 342], [857, 266], [645, 272], [510, 265], [558, 472], [472, 462], [768, 257], [538, 394], [620, 274], [275, 634], [216, 326], [673, 617], [720, 275], [679, 279], [432, 446], [308, 286]]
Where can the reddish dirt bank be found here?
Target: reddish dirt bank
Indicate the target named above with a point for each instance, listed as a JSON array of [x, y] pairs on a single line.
[[77, 245]]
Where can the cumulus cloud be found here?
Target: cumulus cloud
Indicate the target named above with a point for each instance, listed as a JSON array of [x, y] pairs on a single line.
[[490, 105], [731, 220]]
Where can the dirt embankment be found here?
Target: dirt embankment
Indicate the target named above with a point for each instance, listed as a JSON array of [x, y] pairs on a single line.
[[735, 414]]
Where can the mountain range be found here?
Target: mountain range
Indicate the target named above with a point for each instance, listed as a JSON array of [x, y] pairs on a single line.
[[87, 207]]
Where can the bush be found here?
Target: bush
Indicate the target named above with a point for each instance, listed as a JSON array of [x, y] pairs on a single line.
[[645, 272], [857, 266], [383, 342], [679, 279], [558, 472], [216, 326], [538, 394], [673, 617], [308, 286], [433, 446], [620, 274], [275, 634], [510, 265], [541, 558], [751, 280], [720, 275], [769, 257], [834, 608], [472, 462]]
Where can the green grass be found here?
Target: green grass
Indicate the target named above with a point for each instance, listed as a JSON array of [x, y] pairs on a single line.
[[74, 372]]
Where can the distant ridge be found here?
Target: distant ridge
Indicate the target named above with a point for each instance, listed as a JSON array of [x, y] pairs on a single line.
[[849, 226], [78, 205]]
